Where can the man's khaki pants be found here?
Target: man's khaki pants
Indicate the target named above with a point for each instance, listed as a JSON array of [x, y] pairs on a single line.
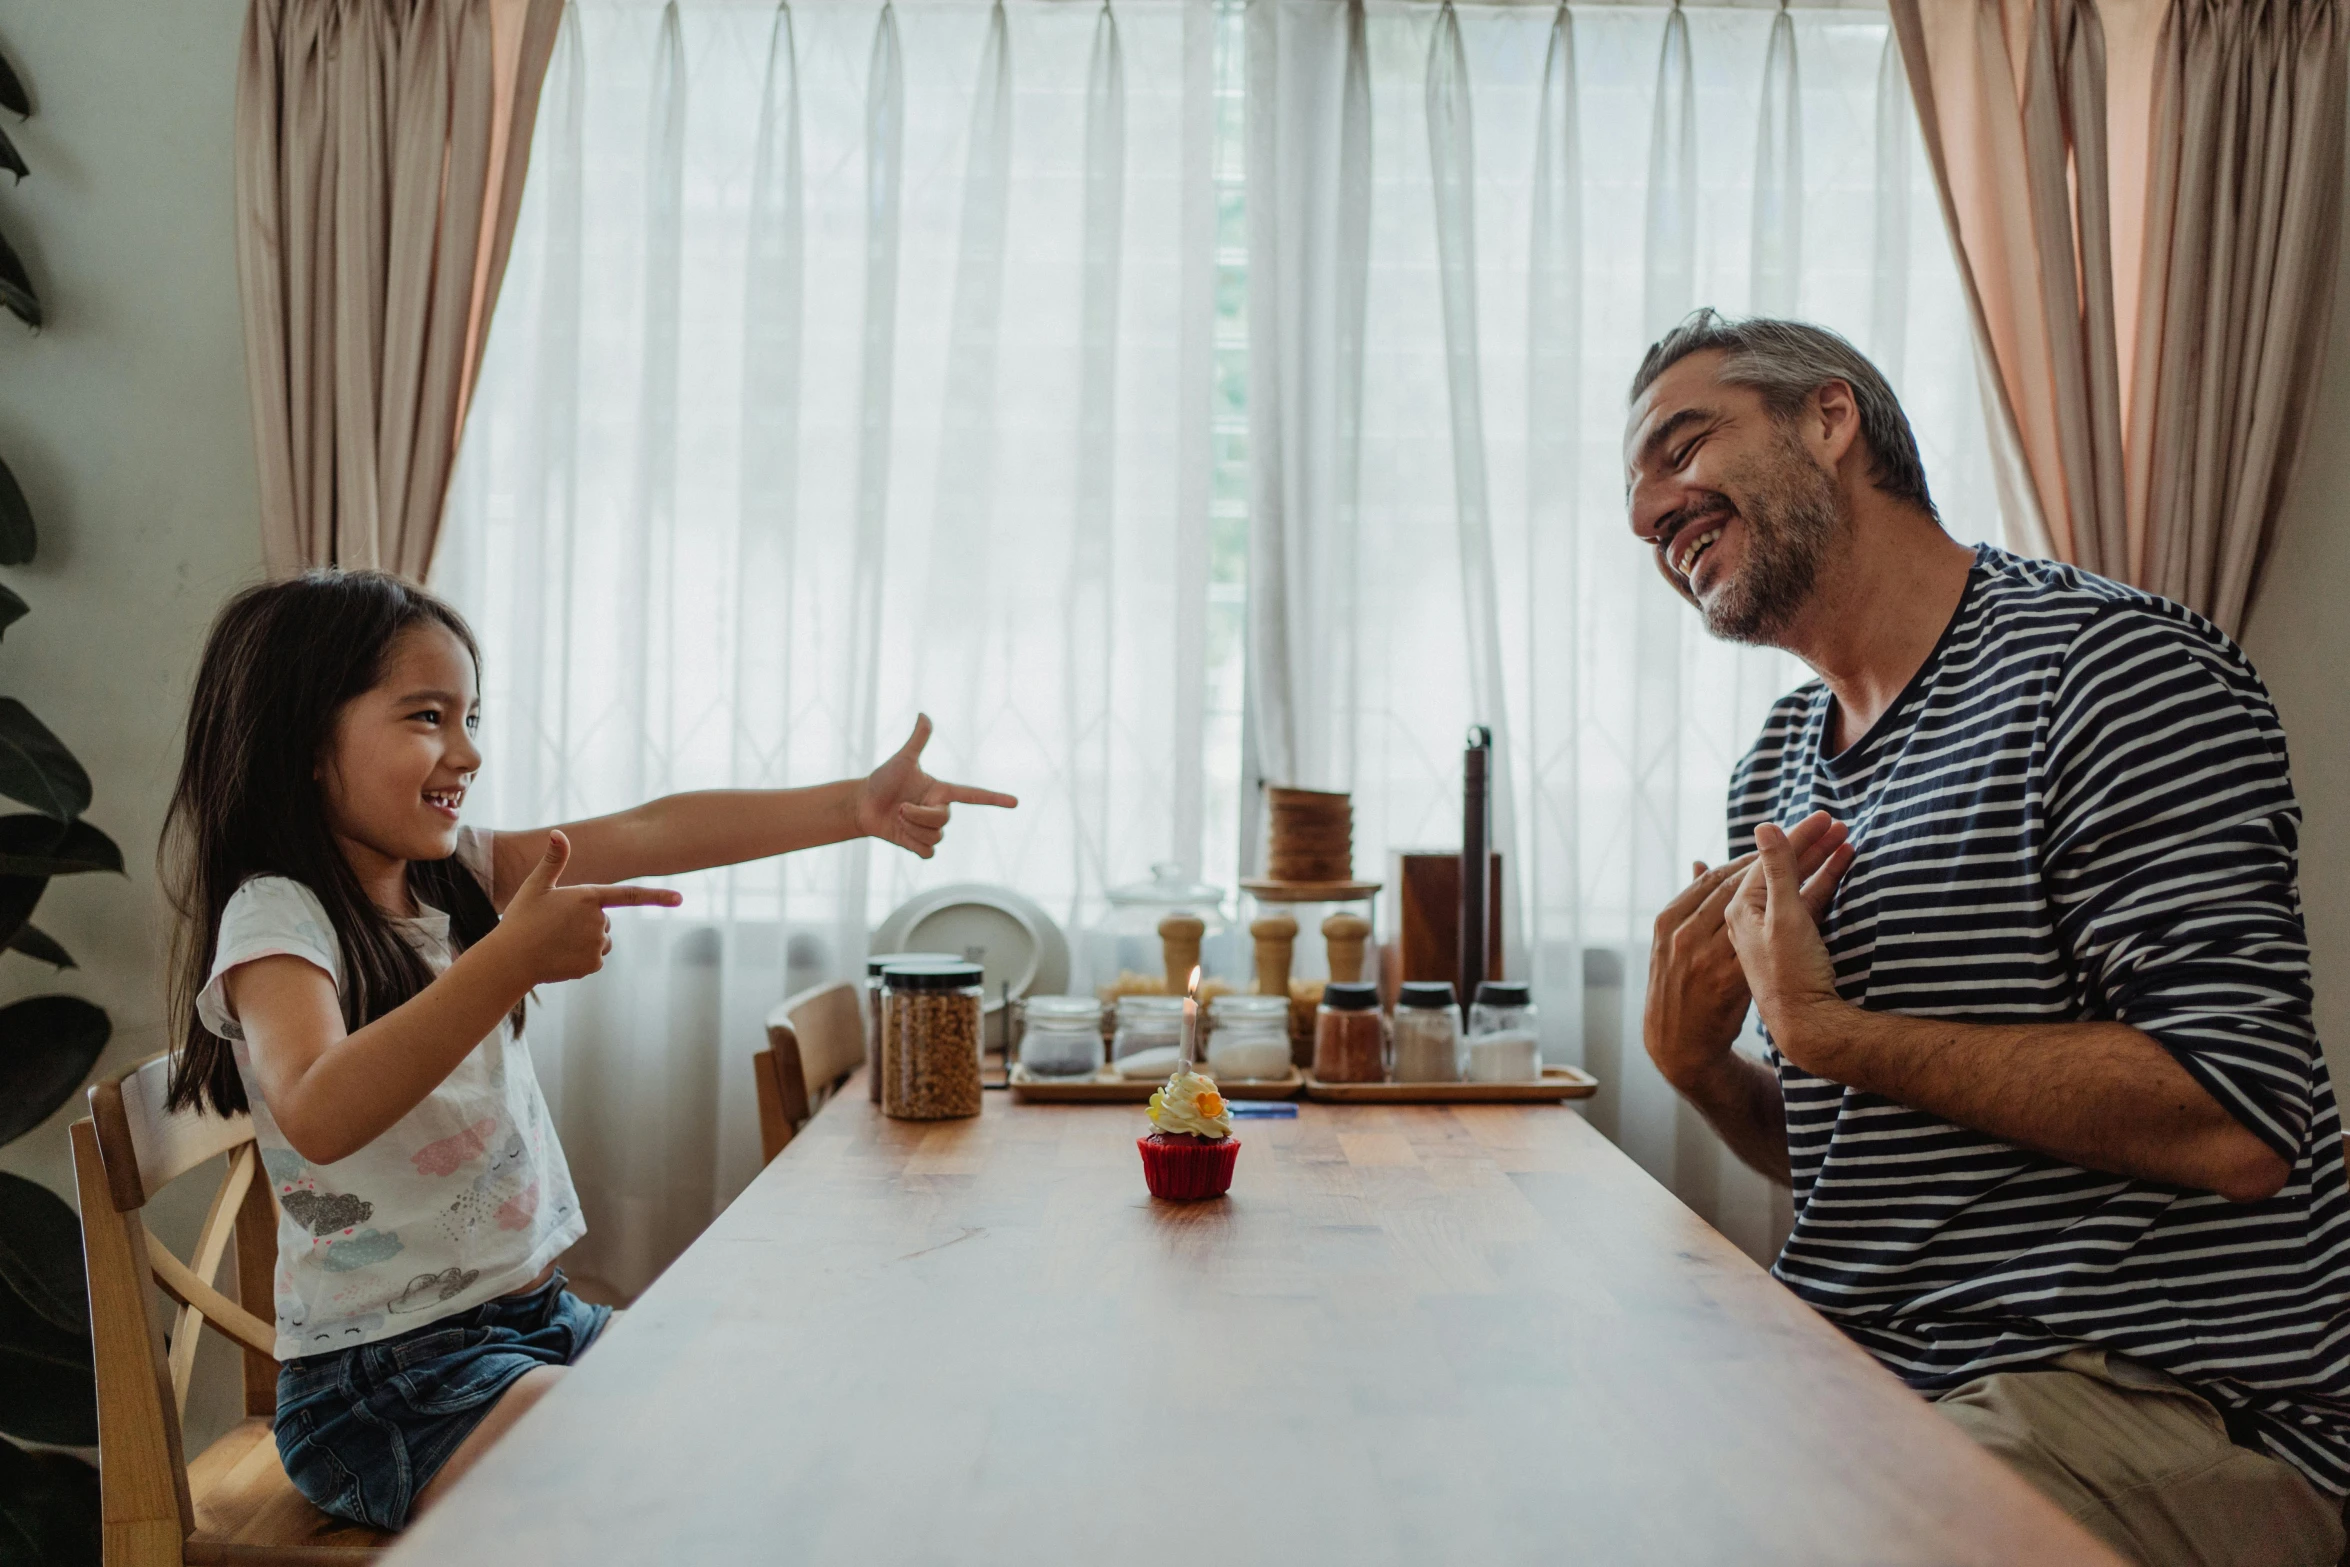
[[2146, 1465]]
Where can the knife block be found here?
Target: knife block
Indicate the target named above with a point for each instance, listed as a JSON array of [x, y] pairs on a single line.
[[1428, 923]]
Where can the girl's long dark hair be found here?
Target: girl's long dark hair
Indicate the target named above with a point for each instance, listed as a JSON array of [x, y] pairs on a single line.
[[282, 661]]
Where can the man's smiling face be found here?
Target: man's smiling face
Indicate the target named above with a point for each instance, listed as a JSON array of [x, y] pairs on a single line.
[[1739, 514]]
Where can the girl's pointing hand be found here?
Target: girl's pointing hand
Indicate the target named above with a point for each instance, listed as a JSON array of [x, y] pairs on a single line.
[[556, 933], [908, 807]]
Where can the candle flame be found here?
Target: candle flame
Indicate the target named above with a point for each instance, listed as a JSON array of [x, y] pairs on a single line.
[[1192, 989]]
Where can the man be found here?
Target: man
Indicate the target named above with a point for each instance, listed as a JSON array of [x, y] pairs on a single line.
[[2017, 908]]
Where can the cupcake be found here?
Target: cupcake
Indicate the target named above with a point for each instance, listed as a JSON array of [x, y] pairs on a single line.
[[1192, 1152]]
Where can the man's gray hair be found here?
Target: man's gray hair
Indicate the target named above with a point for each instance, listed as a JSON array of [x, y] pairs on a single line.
[[1787, 361]]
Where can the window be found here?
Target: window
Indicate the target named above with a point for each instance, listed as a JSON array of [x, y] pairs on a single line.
[[858, 358]]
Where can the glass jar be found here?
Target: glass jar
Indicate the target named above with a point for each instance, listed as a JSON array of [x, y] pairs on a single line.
[[873, 967], [1505, 1036], [1350, 1037], [1061, 1036], [931, 1018], [1251, 1038], [1427, 1033], [1123, 952], [1146, 1023]]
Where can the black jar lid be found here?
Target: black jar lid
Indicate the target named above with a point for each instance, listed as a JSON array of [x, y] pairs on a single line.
[[1425, 993], [881, 960], [1504, 993], [1346, 995], [951, 974]]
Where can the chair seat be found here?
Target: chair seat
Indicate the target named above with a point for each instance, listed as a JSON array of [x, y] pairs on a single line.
[[247, 1511]]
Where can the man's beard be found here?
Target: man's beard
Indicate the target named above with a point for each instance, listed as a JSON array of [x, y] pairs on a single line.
[[1791, 514]]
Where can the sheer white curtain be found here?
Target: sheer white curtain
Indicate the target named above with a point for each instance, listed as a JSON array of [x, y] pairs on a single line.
[[1008, 359], [854, 360], [1466, 222]]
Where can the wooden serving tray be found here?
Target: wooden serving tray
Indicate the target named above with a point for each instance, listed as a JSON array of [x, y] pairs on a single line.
[[1558, 1083], [1109, 1089]]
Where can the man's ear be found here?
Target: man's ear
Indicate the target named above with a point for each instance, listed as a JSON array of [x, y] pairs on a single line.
[[1834, 422]]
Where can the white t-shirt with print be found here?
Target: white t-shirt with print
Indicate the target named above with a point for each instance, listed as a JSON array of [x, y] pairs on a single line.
[[464, 1199]]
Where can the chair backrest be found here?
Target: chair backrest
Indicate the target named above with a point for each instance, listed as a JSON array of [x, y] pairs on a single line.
[[814, 1041], [130, 1149]]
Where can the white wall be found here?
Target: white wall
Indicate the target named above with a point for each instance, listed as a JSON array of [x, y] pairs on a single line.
[[126, 422]]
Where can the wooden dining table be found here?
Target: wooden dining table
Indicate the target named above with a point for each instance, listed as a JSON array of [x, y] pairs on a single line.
[[1410, 1334]]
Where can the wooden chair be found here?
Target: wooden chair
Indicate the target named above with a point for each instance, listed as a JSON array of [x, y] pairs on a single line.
[[814, 1041], [234, 1502]]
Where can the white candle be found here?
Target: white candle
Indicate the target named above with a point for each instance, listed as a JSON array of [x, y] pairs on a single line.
[[1191, 1020]]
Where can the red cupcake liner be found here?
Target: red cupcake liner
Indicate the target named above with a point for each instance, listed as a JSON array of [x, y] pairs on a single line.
[[1182, 1169]]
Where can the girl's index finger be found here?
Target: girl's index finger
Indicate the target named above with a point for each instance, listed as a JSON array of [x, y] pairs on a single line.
[[618, 897], [964, 794]]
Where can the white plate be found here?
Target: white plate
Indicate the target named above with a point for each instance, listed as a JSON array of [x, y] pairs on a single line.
[[1005, 932]]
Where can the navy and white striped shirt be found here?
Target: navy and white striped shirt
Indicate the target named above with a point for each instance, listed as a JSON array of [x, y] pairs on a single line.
[[2079, 809]]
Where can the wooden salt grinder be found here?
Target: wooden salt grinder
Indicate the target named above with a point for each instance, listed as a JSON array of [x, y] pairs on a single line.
[[1346, 935], [1179, 939], [1276, 938]]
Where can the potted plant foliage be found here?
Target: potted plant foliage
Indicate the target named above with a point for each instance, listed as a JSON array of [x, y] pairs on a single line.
[[48, 1393]]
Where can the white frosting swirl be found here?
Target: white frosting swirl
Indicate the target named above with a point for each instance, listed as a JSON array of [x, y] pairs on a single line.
[[1191, 1103]]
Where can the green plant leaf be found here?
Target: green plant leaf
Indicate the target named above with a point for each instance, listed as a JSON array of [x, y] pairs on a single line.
[[49, 1512], [48, 1392], [47, 1046], [16, 289], [11, 159], [35, 942], [17, 537], [19, 896], [35, 766], [34, 845], [12, 94], [41, 1254]]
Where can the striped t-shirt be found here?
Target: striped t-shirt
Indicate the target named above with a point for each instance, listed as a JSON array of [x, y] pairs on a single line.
[[2079, 809]]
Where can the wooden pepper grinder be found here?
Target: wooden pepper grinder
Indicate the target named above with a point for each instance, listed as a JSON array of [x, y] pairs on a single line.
[[1346, 935], [1276, 938], [1179, 939]]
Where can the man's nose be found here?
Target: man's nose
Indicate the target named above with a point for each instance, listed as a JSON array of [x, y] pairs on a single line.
[[1648, 501]]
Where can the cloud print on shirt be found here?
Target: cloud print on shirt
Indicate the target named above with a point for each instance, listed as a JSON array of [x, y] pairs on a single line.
[[454, 1152]]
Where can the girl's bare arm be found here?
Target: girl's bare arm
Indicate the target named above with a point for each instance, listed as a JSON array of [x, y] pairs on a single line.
[[690, 832], [333, 1092]]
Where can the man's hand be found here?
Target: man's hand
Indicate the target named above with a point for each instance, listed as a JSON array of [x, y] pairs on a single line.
[[1697, 990], [908, 807], [1773, 921]]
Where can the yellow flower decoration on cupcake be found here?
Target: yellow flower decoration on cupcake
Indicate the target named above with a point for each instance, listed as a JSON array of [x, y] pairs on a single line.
[[1190, 1103]]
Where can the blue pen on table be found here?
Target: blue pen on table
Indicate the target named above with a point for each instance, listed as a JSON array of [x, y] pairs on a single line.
[[1260, 1111]]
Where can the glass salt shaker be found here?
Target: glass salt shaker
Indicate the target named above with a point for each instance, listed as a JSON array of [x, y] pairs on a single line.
[[1427, 1033], [1505, 1037]]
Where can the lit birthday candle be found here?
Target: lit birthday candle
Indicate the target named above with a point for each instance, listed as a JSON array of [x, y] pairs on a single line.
[[1191, 1023]]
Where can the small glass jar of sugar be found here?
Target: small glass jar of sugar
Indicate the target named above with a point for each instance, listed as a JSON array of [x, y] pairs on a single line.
[[1505, 1037], [1251, 1041]]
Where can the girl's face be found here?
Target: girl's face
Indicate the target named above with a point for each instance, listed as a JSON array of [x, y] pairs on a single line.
[[401, 755]]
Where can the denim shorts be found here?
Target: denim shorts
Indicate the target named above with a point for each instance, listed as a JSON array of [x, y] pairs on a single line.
[[362, 1431]]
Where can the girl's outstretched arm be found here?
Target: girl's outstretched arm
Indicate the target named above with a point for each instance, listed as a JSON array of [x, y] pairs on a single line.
[[690, 832], [333, 1093]]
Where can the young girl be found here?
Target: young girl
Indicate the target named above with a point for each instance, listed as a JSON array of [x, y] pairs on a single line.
[[352, 966]]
